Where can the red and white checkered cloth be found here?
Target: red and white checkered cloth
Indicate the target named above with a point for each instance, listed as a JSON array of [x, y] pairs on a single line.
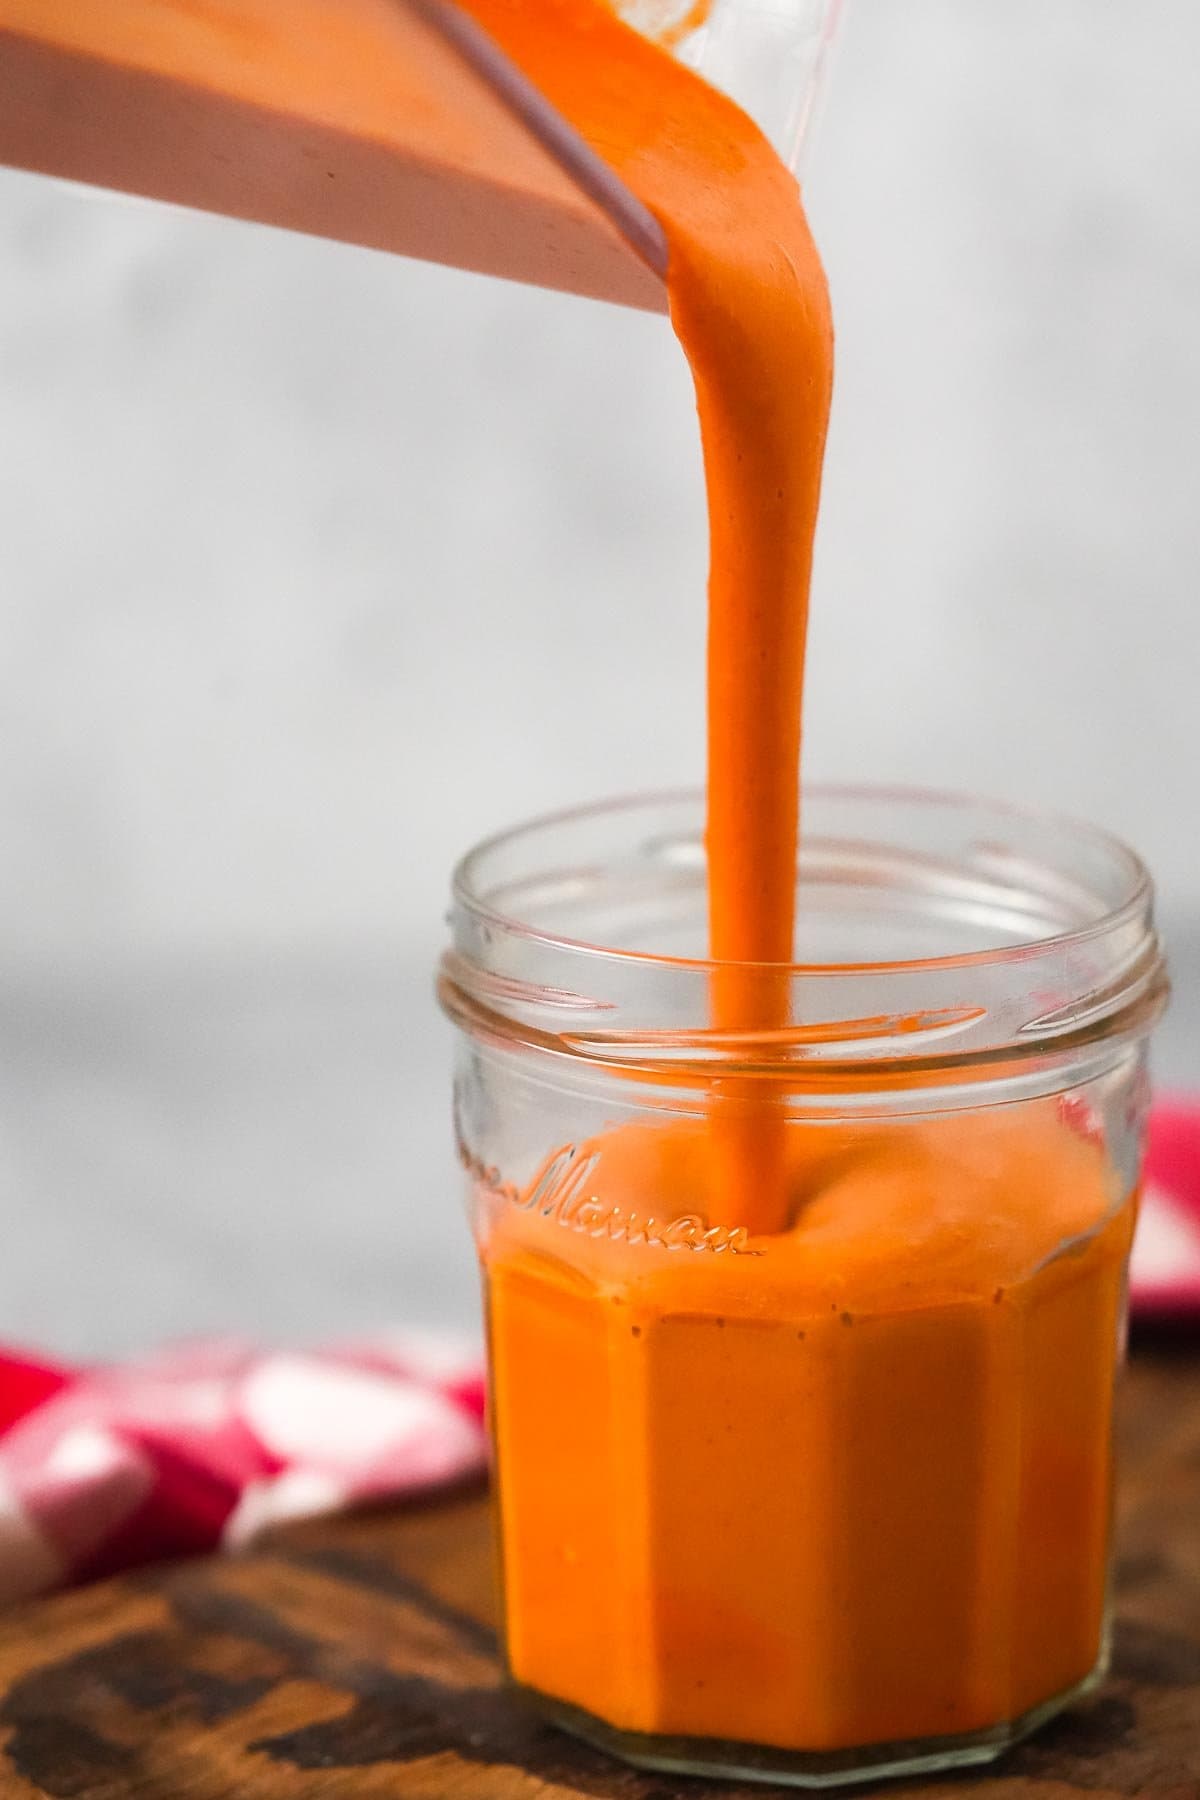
[[1165, 1276], [205, 1445]]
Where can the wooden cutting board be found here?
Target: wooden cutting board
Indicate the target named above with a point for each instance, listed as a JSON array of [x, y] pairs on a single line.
[[357, 1658]]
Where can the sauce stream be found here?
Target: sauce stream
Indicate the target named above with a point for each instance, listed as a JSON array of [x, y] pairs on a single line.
[[749, 303]]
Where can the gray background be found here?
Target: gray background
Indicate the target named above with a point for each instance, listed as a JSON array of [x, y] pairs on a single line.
[[316, 565]]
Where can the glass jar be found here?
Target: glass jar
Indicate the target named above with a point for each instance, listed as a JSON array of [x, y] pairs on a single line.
[[832, 1500]]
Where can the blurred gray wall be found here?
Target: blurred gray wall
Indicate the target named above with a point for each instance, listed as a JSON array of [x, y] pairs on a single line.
[[316, 565]]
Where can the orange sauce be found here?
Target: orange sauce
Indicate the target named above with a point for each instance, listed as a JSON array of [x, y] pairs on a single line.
[[851, 1490], [749, 303]]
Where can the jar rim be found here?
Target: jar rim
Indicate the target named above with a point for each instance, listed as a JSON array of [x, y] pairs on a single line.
[[1051, 957], [1136, 901]]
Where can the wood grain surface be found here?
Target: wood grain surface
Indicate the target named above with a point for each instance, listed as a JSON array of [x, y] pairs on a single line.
[[358, 1658]]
